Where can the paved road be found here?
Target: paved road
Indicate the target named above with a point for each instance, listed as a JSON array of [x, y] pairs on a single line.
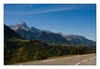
[[87, 59]]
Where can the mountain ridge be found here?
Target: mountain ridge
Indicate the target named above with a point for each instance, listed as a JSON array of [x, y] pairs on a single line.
[[9, 33], [78, 39], [33, 33]]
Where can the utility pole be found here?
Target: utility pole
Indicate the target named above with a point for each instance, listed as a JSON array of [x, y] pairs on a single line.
[[78, 49]]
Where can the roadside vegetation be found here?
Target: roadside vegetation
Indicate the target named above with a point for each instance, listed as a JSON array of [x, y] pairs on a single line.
[[16, 51]]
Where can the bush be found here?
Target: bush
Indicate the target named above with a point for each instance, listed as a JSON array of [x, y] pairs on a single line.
[[38, 56]]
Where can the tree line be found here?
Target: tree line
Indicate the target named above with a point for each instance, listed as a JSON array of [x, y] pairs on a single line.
[[22, 51]]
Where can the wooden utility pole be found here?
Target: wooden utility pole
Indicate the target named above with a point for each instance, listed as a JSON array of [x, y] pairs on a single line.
[[78, 49]]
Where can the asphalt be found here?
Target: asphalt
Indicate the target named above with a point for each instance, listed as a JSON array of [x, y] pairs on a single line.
[[87, 59]]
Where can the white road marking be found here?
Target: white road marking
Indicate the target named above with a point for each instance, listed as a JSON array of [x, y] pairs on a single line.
[[49, 60], [84, 61], [77, 63], [90, 58]]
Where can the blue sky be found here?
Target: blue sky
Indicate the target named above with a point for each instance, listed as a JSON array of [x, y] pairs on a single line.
[[78, 19]]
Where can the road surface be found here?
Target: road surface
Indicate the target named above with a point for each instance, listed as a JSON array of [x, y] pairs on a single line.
[[87, 59]]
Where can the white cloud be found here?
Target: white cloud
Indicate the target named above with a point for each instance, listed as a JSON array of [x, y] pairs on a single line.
[[33, 9]]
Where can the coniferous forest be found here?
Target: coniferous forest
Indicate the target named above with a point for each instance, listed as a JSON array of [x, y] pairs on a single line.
[[21, 51]]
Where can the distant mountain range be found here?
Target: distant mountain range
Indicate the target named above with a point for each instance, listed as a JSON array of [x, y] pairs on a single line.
[[33, 33], [77, 39]]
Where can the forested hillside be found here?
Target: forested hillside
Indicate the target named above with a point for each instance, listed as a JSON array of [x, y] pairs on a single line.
[[21, 51], [16, 49]]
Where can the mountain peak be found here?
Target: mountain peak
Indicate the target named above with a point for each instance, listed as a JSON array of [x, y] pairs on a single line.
[[22, 22], [21, 25], [49, 36]]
